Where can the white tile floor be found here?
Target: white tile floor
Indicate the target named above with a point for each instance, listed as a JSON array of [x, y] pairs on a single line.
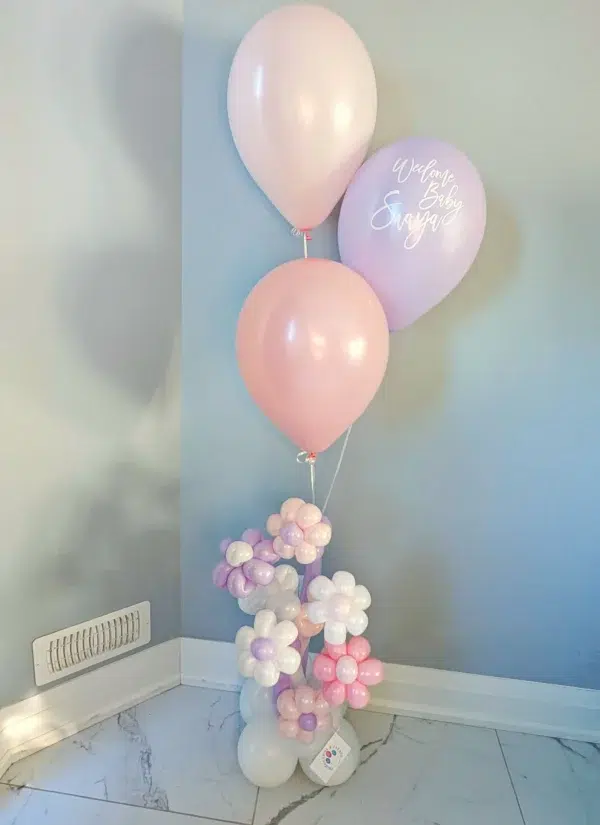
[[172, 761]]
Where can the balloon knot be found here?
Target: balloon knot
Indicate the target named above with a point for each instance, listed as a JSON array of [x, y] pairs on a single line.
[[306, 457]]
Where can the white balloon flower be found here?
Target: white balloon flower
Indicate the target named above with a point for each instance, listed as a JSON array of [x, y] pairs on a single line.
[[280, 596], [264, 652], [340, 604]]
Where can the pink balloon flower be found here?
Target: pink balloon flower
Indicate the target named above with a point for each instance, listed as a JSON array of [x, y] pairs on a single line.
[[300, 530], [348, 672], [248, 564], [302, 712]]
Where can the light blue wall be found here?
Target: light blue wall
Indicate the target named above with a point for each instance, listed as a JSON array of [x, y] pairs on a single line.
[[467, 502]]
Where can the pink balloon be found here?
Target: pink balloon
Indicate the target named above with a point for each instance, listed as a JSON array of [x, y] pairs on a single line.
[[302, 103], [357, 695], [336, 651], [312, 347], [370, 672], [359, 648], [335, 693], [324, 668]]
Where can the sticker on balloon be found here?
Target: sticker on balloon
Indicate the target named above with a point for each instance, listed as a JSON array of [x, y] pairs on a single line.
[[438, 205], [335, 751]]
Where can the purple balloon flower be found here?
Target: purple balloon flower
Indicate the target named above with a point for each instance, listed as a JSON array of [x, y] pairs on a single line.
[[247, 564]]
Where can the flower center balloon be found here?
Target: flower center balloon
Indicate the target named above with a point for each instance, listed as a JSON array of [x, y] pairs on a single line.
[[262, 649], [307, 721]]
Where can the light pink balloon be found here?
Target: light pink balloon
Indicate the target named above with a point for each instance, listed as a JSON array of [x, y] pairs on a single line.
[[306, 553], [312, 347], [308, 515], [290, 507], [274, 523], [321, 705], [336, 651], [305, 699], [286, 705], [283, 550], [302, 104], [318, 534], [288, 728]]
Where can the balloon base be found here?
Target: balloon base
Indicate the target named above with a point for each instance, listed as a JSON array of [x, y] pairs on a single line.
[[266, 759], [337, 759]]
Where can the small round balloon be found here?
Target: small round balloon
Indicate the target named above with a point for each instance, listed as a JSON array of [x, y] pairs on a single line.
[[411, 223]]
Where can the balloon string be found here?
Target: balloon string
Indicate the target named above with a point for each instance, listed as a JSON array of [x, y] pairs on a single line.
[[337, 469], [306, 236], [312, 571]]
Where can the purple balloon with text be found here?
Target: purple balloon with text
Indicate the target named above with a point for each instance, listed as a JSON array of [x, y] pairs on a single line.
[[411, 223]]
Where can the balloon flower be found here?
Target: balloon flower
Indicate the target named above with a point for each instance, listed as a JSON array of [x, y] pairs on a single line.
[[302, 712], [281, 596], [248, 564], [348, 672], [265, 651], [300, 531], [340, 603]]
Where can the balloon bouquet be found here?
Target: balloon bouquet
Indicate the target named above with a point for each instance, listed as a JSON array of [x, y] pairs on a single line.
[[312, 347]]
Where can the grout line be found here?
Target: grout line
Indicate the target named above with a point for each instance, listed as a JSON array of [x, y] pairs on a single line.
[[255, 806], [18, 788], [512, 784]]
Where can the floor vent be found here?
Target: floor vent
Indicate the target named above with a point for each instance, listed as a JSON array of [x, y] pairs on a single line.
[[76, 648]]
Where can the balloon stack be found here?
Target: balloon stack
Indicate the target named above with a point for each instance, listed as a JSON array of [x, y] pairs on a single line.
[[289, 714], [312, 347]]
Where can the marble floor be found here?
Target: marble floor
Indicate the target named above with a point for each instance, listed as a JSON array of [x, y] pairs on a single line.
[[172, 761]]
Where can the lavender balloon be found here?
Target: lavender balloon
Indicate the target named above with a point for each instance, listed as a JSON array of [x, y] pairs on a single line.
[[411, 224]]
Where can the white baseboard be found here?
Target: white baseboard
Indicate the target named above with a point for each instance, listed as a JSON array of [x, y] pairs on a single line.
[[68, 708], [469, 699], [485, 701], [209, 664]]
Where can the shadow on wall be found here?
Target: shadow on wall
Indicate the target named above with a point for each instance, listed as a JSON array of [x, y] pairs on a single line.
[[120, 547], [107, 534], [121, 304]]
